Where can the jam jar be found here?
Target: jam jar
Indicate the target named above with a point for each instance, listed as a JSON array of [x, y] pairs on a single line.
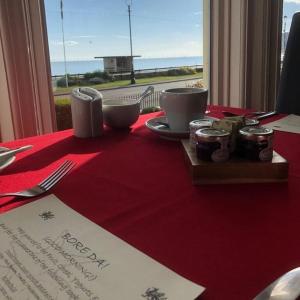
[[256, 143], [196, 125], [212, 144]]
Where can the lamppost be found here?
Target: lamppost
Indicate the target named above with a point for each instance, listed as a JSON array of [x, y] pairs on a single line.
[[63, 37], [131, 57], [284, 33]]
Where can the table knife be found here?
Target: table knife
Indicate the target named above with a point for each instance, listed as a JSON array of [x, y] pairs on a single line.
[[266, 115], [9, 153]]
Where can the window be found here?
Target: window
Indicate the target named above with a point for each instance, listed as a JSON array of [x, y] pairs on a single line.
[[289, 8], [242, 54], [160, 35]]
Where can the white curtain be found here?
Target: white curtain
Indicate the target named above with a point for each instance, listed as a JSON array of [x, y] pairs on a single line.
[[244, 52], [26, 106]]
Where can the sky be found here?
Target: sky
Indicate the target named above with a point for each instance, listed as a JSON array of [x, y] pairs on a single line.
[[160, 28], [289, 8]]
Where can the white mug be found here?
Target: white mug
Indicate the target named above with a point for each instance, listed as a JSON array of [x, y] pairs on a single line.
[[183, 105]]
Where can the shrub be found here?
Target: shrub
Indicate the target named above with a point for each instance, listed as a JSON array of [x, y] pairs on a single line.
[[107, 76], [187, 71], [197, 84], [63, 102], [96, 80], [172, 72], [94, 74], [181, 71], [88, 75], [98, 74], [150, 110], [145, 75], [63, 114], [61, 82]]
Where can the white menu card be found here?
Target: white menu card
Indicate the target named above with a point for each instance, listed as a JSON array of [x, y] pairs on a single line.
[[49, 251], [290, 123]]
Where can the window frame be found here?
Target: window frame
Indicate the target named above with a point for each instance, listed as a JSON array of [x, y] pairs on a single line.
[[233, 46]]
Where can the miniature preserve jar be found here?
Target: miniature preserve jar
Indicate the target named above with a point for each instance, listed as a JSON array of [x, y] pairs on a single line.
[[196, 125], [256, 143], [212, 144]]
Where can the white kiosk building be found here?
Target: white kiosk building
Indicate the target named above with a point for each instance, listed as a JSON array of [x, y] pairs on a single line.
[[118, 64]]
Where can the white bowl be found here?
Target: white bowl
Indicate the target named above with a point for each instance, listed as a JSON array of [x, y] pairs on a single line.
[[120, 113]]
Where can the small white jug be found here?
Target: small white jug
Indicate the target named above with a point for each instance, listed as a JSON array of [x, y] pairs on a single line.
[[87, 117]]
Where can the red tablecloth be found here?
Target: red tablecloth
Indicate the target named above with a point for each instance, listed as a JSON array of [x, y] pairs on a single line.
[[233, 239]]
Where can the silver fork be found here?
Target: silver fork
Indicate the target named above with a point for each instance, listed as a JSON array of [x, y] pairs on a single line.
[[46, 184]]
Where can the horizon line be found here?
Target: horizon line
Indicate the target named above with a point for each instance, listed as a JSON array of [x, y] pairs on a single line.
[[72, 60]]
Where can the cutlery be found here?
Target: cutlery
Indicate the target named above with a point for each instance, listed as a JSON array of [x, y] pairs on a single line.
[[46, 184], [149, 91], [258, 115], [286, 287], [266, 115], [230, 114], [9, 153]]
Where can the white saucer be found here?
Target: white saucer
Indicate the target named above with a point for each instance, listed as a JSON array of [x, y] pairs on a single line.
[[7, 162], [165, 132]]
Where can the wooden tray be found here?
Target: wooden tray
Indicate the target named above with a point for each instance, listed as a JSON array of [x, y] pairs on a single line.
[[236, 170]]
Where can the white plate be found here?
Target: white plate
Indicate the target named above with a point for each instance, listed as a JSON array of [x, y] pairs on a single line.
[[7, 162], [165, 132]]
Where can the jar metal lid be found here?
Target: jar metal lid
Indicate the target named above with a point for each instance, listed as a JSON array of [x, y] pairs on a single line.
[[200, 123], [255, 131], [211, 134], [251, 122]]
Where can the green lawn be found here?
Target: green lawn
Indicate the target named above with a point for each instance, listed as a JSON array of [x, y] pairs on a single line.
[[121, 83]]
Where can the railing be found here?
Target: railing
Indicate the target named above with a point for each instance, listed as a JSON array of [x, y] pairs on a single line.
[[150, 101], [157, 70], [137, 72]]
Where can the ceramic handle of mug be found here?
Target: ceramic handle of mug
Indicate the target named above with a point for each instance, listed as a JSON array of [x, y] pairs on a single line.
[[161, 100]]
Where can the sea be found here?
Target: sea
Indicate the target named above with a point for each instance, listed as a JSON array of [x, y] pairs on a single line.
[[84, 66]]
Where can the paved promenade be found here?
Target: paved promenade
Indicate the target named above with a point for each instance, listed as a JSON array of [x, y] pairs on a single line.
[[139, 88]]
